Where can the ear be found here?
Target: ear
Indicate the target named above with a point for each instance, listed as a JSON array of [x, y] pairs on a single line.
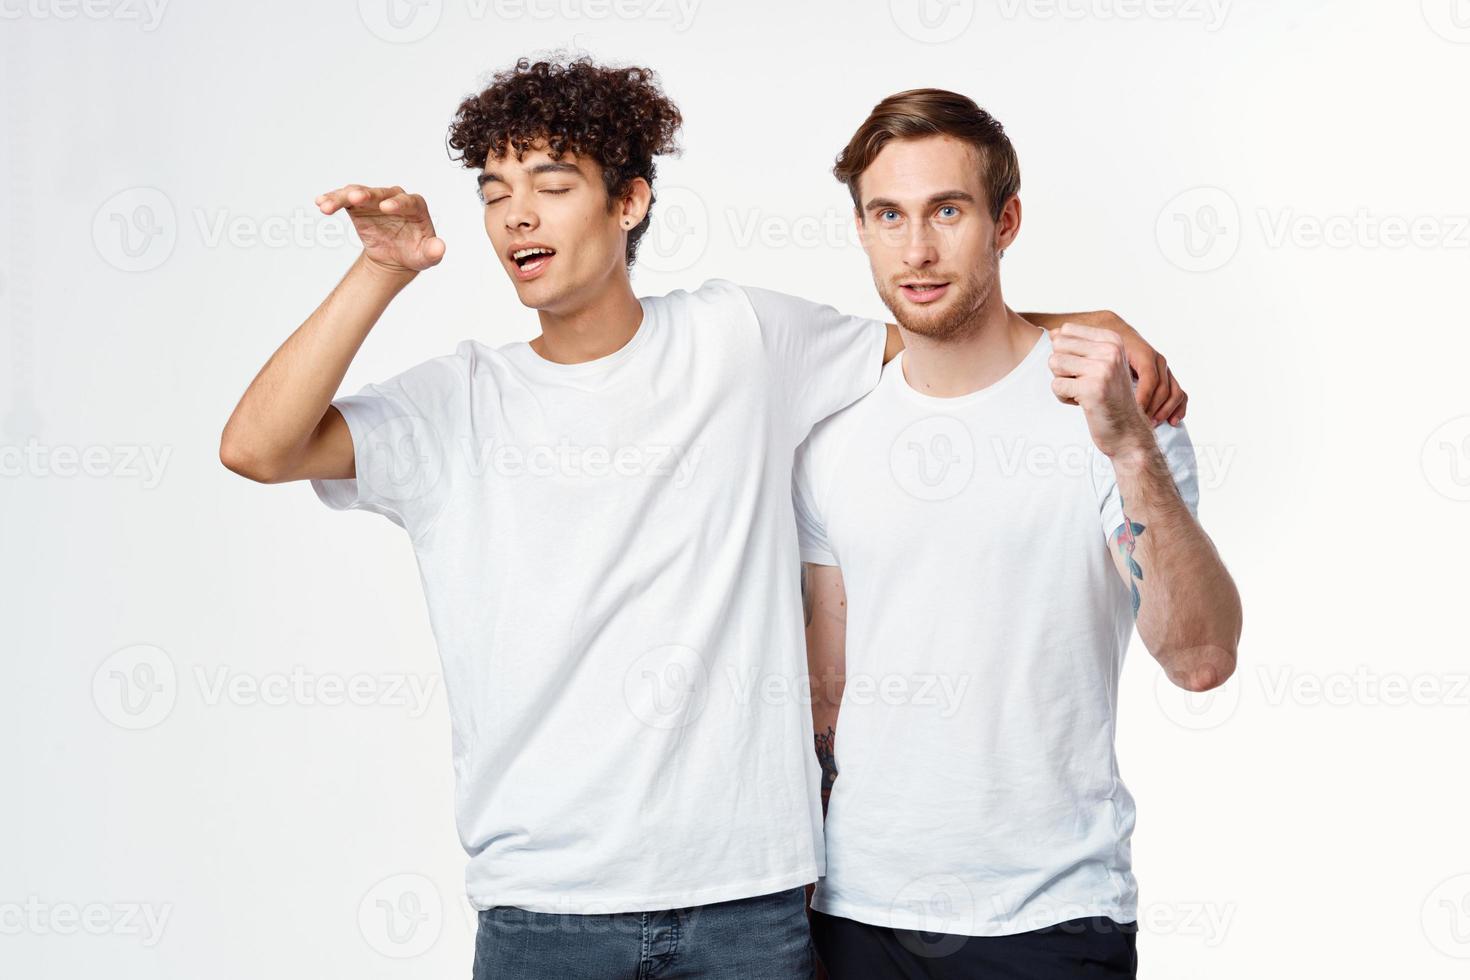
[[633, 207], [861, 226], [1008, 225]]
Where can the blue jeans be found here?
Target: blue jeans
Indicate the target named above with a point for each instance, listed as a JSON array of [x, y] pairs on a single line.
[[762, 938]]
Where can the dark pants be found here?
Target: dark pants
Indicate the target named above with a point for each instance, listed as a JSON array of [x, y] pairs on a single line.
[[1080, 949], [763, 938]]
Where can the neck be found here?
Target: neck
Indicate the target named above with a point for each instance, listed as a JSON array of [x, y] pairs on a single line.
[[993, 343], [595, 328]]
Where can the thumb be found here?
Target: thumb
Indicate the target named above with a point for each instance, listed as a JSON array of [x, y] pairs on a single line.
[[433, 250]]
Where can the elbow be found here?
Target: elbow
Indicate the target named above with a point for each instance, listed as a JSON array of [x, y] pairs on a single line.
[[1203, 668], [239, 459]]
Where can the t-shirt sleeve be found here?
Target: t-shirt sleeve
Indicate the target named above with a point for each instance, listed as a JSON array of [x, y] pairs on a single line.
[[823, 360], [1178, 452], [402, 440], [811, 531]]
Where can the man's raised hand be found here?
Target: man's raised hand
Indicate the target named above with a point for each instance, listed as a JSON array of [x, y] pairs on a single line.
[[394, 226], [1091, 370]]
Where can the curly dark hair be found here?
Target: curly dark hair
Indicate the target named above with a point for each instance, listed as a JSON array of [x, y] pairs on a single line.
[[617, 116]]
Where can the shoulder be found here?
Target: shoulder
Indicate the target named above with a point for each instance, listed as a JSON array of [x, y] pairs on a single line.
[[825, 447]]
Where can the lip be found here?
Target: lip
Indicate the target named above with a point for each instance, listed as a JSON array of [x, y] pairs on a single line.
[[922, 292], [532, 269]]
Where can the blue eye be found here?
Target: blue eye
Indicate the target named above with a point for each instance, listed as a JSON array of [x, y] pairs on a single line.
[[949, 211], [883, 215]]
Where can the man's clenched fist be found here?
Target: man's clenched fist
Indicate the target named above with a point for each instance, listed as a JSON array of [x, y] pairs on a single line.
[[1092, 371]]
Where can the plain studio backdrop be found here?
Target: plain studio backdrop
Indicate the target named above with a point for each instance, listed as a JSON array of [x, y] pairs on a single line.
[[226, 742]]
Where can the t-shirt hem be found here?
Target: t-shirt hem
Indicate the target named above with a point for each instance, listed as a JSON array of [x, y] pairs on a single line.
[[603, 904], [345, 493], [897, 919], [817, 556]]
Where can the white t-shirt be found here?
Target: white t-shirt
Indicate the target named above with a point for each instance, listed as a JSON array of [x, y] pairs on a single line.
[[608, 552], [977, 789]]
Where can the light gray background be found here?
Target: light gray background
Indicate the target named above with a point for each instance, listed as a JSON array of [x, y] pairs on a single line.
[[1273, 192]]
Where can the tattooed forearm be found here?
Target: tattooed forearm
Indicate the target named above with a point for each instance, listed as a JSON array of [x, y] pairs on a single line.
[[828, 760], [1125, 539]]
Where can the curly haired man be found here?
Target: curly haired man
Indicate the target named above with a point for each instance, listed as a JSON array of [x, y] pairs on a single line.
[[603, 525]]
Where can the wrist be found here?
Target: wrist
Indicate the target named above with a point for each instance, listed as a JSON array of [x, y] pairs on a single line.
[[393, 276], [1133, 449]]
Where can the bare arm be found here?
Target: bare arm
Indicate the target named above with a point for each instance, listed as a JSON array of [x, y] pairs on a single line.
[[284, 427], [1186, 603], [824, 599]]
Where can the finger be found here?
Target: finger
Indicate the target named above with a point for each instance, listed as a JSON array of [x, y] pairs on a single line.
[[1159, 395], [1148, 382], [1093, 350], [330, 201], [1067, 365], [1066, 390], [432, 250], [1083, 332], [1176, 415], [347, 195], [1169, 391], [364, 200], [401, 204], [1170, 409]]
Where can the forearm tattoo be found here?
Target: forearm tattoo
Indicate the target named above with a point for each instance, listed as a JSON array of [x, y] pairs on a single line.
[[828, 761], [1125, 539]]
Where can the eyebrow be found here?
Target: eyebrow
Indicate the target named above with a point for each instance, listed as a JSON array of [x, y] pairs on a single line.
[[553, 167], [883, 203]]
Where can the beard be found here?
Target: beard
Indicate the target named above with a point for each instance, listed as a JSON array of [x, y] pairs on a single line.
[[954, 317]]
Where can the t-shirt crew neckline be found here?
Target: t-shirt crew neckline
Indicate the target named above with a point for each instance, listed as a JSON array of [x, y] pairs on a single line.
[[531, 361], [1038, 351]]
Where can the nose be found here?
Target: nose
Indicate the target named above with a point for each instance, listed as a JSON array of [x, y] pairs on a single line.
[[919, 251], [519, 216]]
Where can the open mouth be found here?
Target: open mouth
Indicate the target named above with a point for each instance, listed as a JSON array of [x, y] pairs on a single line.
[[924, 292], [530, 260]]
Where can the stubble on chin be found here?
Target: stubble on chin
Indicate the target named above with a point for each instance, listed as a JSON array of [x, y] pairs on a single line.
[[956, 317]]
